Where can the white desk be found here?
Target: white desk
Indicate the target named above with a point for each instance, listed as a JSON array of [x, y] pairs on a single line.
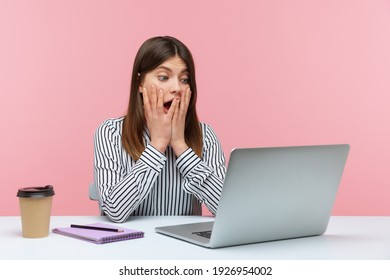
[[352, 238]]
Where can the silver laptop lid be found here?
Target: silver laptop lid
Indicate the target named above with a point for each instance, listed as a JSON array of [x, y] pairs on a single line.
[[278, 193]]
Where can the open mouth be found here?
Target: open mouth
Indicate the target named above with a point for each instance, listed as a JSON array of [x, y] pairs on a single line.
[[167, 105]]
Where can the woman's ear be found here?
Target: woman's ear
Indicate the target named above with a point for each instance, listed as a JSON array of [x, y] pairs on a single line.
[[140, 87]]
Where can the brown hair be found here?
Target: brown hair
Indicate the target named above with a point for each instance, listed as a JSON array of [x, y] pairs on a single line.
[[151, 54]]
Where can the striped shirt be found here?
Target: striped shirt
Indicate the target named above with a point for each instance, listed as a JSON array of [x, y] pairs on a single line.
[[157, 183]]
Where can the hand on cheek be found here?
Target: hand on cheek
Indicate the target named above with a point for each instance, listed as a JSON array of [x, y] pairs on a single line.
[[158, 123], [178, 142]]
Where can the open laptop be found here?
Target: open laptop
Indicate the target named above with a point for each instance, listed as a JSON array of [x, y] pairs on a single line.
[[271, 194]]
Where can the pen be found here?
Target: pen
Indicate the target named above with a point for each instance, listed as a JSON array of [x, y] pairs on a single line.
[[97, 228]]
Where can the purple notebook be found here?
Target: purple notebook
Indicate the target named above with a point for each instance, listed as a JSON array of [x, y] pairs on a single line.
[[99, 236]]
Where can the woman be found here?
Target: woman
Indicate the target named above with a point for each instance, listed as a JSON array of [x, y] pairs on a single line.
[[158, 159]]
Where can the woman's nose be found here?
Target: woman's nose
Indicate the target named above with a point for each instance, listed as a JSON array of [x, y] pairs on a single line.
[[175, 87]]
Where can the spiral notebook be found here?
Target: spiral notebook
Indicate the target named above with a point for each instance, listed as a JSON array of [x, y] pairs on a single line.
[[98, 236]]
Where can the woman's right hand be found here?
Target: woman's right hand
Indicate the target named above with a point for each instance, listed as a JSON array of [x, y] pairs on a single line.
[[158, 123]]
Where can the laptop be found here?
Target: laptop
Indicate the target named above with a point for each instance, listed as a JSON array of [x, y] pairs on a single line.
[[271, 194]]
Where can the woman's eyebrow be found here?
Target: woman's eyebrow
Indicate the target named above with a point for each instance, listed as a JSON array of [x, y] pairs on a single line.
[[165, 68], [185, 70]]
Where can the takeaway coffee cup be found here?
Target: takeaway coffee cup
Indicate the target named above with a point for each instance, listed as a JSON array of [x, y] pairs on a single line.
[[35, 209]]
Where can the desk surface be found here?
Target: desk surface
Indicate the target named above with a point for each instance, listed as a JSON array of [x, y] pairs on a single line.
[[351, 238]]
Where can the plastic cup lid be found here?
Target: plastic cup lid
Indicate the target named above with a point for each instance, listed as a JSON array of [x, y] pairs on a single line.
[[36, 192]]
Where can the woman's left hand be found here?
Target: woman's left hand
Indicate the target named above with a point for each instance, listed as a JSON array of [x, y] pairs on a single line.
[[178, 142]]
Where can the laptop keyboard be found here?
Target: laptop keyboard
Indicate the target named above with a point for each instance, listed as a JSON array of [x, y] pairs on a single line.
[[205, 234]]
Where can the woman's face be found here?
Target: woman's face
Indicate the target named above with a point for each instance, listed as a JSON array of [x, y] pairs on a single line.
[[171, 77]]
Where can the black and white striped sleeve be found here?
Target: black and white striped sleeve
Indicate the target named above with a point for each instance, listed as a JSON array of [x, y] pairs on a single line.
[[121, 192], [204, 177]]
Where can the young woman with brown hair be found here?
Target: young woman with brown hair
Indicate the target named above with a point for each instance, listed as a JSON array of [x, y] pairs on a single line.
[[159, 159]]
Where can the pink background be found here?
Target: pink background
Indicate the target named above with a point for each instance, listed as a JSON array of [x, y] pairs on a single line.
[[269, 73]]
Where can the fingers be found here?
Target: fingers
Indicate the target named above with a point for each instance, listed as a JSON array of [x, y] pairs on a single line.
[[153, 97], [160, 101], [145, 97], [153, 100], [185, 101], [172, 112], [181, 108], [154, 103], [187, 97]]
